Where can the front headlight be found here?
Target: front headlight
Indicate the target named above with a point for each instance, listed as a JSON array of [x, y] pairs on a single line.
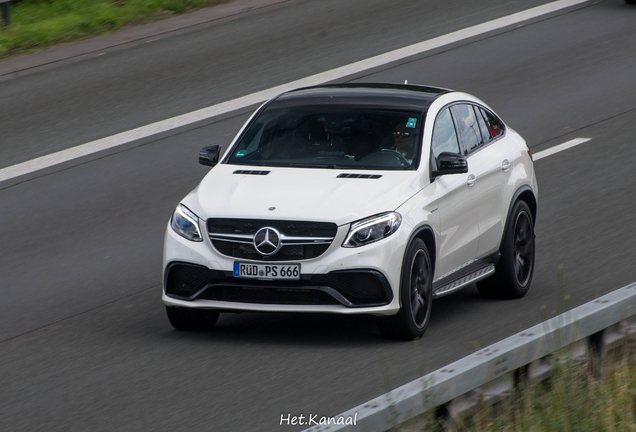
[[186, 224], [372, 229]]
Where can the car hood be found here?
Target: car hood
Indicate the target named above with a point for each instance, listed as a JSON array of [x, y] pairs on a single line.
[[300, 194]]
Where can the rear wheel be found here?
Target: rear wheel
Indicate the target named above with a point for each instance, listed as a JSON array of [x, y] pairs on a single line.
[[514, 271], [192, 319], [416, 295]]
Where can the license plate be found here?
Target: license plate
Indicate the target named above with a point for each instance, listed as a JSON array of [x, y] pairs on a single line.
[[267, 271]]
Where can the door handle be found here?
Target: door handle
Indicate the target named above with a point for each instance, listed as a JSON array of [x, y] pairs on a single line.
[[471, 180], [505, 165]]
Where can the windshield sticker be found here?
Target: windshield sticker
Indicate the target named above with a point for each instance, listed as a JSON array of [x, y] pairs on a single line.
[[240, 153], [411, 122]]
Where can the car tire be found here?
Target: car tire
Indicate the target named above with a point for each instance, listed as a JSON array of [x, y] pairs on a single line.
[[630, 1], [416, 296], [513, 274], [192, 319]]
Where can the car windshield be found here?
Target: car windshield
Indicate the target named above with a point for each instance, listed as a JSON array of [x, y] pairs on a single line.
[[331, 137]]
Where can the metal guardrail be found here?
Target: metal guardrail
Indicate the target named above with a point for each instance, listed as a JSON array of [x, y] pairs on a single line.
[[5, 5], [491, 373]]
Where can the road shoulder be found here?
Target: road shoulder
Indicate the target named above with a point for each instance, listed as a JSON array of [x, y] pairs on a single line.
[[135, 34]]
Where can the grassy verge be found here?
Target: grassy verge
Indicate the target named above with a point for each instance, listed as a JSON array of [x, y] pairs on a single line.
[[580, 396], [573, 400], [40, 24]]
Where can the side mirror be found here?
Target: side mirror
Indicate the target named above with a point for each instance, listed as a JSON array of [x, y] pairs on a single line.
[[450, 163], [210, 155]]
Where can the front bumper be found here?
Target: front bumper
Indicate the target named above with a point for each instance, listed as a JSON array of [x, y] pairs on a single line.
[[342, 280]]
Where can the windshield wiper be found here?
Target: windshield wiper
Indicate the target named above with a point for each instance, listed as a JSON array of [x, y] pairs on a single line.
[[307, 165], [247, 163]]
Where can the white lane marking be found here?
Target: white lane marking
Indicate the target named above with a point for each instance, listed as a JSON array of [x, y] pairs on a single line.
[[559, 148], [261, 96]]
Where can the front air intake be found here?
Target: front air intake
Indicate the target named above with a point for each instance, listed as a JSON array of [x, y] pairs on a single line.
[[350, 288]]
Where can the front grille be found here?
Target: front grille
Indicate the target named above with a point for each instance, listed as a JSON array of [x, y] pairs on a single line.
[[290, 228], [301, 240], [286, 253], [350, 287]]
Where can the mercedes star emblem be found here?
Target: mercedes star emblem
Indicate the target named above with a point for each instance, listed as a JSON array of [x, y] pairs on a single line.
[[267, 241]]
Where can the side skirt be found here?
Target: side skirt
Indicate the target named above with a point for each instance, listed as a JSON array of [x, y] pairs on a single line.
[[477, 271]]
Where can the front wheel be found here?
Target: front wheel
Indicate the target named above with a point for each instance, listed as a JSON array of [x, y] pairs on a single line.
[[192, 319], [514, 271], [416, 295]]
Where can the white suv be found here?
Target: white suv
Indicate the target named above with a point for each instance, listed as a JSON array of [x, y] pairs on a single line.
[[355, 199]]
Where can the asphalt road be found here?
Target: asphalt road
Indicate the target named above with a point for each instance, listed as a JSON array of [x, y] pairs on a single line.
[[69, 103], [85, 344]]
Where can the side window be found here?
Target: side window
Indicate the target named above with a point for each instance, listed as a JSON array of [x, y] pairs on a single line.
[[444, 135], [495, 126], [485, 133], [467, 126]]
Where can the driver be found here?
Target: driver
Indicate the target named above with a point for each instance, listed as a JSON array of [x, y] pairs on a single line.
[[403, 141]]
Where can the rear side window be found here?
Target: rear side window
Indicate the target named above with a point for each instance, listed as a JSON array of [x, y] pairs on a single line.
[[467, 126], [494, 125], [481, 120], [444, 135]]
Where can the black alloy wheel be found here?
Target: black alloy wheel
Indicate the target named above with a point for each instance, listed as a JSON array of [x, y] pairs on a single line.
[[513, 273], [523, 248], [416, 296], [420, 288]]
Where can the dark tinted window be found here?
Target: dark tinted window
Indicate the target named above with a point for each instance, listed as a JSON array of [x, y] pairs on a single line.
[[467, 126], [331, 137], [444, 135], [485, 133], [495, 126]]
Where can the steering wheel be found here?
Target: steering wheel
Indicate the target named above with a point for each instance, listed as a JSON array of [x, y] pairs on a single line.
[[398, 156]]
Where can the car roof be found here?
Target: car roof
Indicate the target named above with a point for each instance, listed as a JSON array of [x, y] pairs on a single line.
[[371, 95]]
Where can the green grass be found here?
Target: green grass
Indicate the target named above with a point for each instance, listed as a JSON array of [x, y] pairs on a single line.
[[40, 24], [572, 400]]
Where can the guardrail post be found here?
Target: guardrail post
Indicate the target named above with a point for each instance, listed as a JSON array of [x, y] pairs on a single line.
[[596, 345], [443, 420], [6, 12]]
